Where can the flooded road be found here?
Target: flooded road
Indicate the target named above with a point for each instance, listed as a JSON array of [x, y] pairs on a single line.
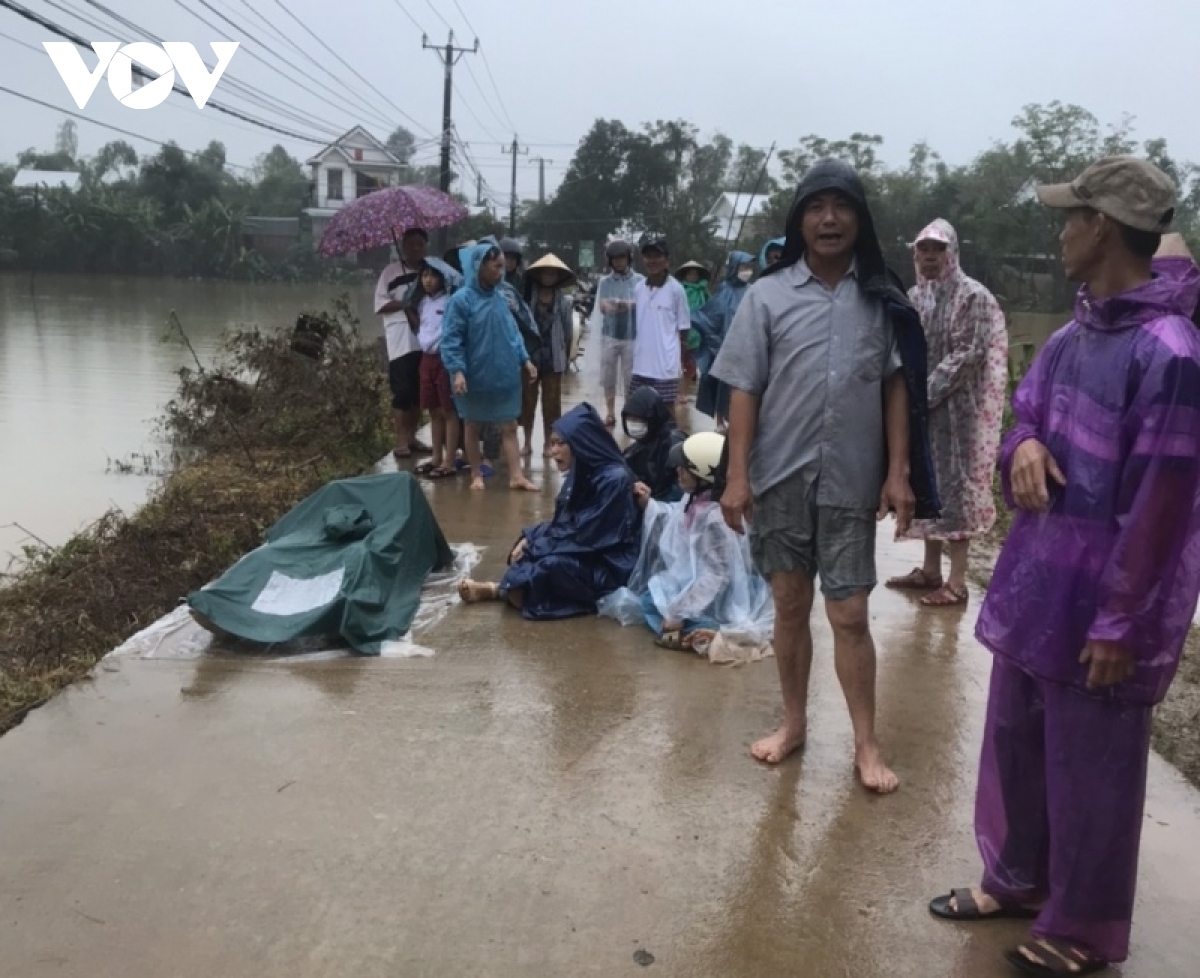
[[84, 373], [536, 799]]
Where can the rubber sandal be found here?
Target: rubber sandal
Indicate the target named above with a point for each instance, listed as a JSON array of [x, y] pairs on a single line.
[[966, 910], [486, 471], [401, 454], [915, 580], [419, 447], [672, 640], [440, 473], [424, 468], [946, 597], [1067, 953]]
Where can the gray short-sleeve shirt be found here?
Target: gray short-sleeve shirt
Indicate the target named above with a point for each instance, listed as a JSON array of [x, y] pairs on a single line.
[[817, 358]]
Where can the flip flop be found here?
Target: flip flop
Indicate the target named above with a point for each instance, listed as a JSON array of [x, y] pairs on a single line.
[[946, 597], [440, 473], [424, 468], [401, 453], [1074, 960], [419, 447], [966, 910], [672, 640], [915, 580]]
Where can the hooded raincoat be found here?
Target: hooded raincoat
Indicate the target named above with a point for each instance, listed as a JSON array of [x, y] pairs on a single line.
[[968, 381], [712, 323], [694, 570], [647, 456], [762, 255], [480, 340], [590, 546], [882, 284]]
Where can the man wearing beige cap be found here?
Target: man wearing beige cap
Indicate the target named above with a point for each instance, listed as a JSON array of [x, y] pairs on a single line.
[[1097, 583]]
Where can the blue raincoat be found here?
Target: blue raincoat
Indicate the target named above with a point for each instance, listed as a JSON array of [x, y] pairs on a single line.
[[480, 340], [773, 243], [590, 547], [712, 322]]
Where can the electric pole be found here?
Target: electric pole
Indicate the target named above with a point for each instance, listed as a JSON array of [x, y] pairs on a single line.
[[449, 56], [478, 189], [517, 151], [541, 161]]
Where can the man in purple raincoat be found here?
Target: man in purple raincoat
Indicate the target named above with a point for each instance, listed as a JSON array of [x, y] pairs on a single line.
[[1097, 584]]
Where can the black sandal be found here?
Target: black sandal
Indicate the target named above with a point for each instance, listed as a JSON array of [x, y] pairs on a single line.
[[1075, 961], [672, 640], [966, 910]]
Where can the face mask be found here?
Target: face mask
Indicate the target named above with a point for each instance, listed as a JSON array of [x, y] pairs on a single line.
[[745, 274], [637, 429]]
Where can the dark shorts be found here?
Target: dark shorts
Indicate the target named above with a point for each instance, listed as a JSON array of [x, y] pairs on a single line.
[[790, 532], [404, 377], [435, 384], [668, 390]]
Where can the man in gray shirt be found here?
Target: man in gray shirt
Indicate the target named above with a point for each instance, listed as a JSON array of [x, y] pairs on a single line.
[[828, 381]]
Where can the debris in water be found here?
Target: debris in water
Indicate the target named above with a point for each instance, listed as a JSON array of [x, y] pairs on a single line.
[[643, 957]]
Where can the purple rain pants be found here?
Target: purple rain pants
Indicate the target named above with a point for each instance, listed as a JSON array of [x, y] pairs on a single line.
[[1058, 813]]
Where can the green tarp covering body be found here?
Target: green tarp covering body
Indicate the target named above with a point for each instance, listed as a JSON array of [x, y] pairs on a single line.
[[349, 561]]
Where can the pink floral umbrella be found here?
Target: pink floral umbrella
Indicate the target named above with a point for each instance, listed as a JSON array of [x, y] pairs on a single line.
[[380, 218]]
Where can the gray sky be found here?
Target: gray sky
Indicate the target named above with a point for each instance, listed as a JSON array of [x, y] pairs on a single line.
[[952, 73]]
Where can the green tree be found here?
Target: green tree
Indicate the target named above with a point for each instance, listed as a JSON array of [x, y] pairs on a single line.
[[402, 144], [66, 140], [281, 188]]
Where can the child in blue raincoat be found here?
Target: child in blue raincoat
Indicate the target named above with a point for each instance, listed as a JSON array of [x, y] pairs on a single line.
[[562, 567]]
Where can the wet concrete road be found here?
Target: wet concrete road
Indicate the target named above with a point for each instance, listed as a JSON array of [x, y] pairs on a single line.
[[535, 800]]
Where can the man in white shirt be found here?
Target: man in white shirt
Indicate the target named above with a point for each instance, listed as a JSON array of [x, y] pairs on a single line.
[[663, 321], [403, 349]]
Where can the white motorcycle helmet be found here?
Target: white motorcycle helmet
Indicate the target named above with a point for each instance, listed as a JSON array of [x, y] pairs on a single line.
[[700, 454]]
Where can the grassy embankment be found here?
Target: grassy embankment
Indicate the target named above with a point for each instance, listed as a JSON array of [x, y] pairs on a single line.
[[253, 436]]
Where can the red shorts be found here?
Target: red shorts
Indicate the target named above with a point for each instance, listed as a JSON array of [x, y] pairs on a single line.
[[435, 384]]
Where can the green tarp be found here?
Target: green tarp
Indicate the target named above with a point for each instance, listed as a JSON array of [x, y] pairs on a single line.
[[349, 561]]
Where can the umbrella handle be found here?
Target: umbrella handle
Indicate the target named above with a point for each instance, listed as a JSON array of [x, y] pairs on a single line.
[[396, 242]]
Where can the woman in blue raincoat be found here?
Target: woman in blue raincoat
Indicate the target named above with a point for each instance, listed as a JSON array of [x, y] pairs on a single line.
[[712, 322], [484, 354], [771, 252], [563, 567]]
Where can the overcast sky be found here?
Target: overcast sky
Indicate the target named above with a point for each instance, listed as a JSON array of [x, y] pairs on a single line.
[[953, 74]]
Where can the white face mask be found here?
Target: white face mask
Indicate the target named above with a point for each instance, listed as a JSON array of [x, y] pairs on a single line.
[[745, 274], [637, 429]]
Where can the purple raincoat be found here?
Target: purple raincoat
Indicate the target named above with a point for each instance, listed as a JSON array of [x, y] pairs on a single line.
[[1115, 397]]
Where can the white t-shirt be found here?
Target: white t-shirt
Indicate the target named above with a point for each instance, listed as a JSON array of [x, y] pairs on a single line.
[[432, 309], [662, 314], [400, 338]]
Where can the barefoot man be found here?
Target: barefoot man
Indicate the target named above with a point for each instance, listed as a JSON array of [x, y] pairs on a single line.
[[827, 363]]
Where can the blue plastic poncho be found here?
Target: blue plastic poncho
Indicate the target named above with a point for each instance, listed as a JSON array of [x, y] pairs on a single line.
[[480, 340], [695, 571], [590, 546], [712, 322], [773, 243]]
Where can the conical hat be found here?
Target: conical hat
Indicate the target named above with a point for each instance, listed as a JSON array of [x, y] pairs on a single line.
[[689, 266], [554, 263], [1173, 246]]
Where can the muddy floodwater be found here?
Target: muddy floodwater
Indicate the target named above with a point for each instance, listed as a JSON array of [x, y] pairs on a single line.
[[84, 373]]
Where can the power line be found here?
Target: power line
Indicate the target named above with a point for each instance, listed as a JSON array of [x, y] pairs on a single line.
[[438, 14], [349, 66], [75, 39], [466, 20], [496, 89], [105, 125], [404, 10], [17, 40]]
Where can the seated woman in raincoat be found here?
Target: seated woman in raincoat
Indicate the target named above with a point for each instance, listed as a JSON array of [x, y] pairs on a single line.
[[484, 354], [651, 424], [563, 567], [695, 585], [712, 323]]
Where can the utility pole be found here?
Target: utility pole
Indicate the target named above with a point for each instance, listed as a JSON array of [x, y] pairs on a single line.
[[478, 189], [541, 161], [517, 151], [449, 56]]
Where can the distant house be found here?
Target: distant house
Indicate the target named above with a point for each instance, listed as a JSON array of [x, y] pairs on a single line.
[[729, 211], [352, 166], [47, 179]]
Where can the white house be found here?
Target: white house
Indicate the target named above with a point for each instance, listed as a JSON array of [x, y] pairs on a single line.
[[47, 179], [731, 208], [352, 166]]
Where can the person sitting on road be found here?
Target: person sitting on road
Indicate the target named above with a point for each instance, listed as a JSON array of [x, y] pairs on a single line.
[[649, 422], [695, 585], [561, 568]]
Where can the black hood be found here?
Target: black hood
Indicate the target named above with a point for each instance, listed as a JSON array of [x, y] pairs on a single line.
[[836, 175], [647, 403]]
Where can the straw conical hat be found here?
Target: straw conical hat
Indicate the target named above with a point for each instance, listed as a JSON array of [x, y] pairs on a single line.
[[554, 263], [1173, 246], [689, 266]]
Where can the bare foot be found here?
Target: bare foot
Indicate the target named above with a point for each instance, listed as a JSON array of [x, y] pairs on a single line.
[[874, 774], [523, 485], [477, 483], [780, 745], [474, 592]]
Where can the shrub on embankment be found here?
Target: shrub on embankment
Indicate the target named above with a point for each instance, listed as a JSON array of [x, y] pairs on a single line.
[[254, 435]]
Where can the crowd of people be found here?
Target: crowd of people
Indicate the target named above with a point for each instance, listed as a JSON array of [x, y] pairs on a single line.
[[840, 398]]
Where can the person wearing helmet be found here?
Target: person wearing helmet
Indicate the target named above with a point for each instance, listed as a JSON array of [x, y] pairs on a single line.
[[664, 322], [513, 256], [695, 585], [651, 426], [614, 316]]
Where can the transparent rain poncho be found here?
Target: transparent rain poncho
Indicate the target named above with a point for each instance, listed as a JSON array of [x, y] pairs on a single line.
[[695, 571]]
